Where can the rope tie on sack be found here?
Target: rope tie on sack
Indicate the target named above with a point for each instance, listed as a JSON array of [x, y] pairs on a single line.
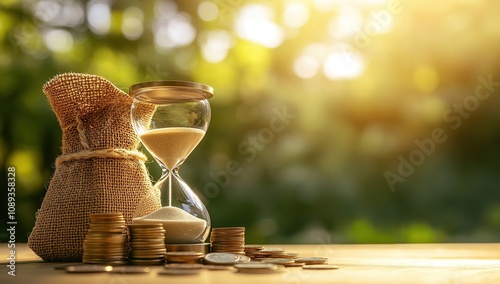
[[113, 153]]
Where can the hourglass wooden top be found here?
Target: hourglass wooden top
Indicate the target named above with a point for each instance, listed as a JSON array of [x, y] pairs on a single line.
[[174, 91]]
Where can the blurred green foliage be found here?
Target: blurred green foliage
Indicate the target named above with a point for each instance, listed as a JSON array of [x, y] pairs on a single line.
[[314, 100]]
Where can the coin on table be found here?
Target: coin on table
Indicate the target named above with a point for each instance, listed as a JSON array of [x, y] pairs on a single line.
[[281, 261], [88, 268], [244, 258], [253, 248], [320, 266], [312, 260], [131, 270], [221, 258], [294, 264], [172, 271], [286, 255], [258, 268]]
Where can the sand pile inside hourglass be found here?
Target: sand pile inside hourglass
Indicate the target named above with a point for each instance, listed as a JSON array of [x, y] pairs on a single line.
[[180, 226], [171, 146]]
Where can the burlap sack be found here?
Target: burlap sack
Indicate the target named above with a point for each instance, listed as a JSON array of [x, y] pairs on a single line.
[[100, 169]]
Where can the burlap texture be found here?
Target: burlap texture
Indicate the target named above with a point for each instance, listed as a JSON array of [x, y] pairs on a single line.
[[100, 169]]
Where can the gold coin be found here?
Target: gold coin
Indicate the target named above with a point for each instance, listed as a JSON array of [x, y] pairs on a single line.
[[226, 229], [145, 226], [320, 266], [185, 253], [160, 253], [293, 264], [285, 255], [146, 261], [253, 247], [146, 247], [312, 260], [281, 261]]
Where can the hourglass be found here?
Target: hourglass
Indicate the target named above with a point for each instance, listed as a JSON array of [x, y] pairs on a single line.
[[171, 118]]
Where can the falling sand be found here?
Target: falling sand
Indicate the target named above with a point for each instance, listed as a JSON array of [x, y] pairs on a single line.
[[172, 145], [180, 226]]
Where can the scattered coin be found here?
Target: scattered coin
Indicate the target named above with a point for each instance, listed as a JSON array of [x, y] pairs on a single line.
[[281, 261], [312, 260], [293, 264], [320, 266], [292, 255], [253, 248], [88, 268], [221, 258]]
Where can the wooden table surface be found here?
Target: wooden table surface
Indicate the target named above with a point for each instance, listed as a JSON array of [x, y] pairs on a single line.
[[396, 263]]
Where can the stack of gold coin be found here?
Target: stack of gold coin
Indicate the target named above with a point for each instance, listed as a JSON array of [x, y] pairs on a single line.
[[183, 257], [105, 242], [228, 239], [147, 244]]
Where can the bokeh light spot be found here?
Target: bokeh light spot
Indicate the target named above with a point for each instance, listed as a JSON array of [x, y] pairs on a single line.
[[426, 79]]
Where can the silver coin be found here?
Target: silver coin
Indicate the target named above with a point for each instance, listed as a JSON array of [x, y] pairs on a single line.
[[244, 258], [221, 258]]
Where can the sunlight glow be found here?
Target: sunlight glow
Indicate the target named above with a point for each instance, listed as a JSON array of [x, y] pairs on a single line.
[[132, 26], [99, 17], [58, 40], [347, 24], [174, 32], [343, 64], [296, 14], [255, 23], [216, 45], [208, 11], [308, 63]]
